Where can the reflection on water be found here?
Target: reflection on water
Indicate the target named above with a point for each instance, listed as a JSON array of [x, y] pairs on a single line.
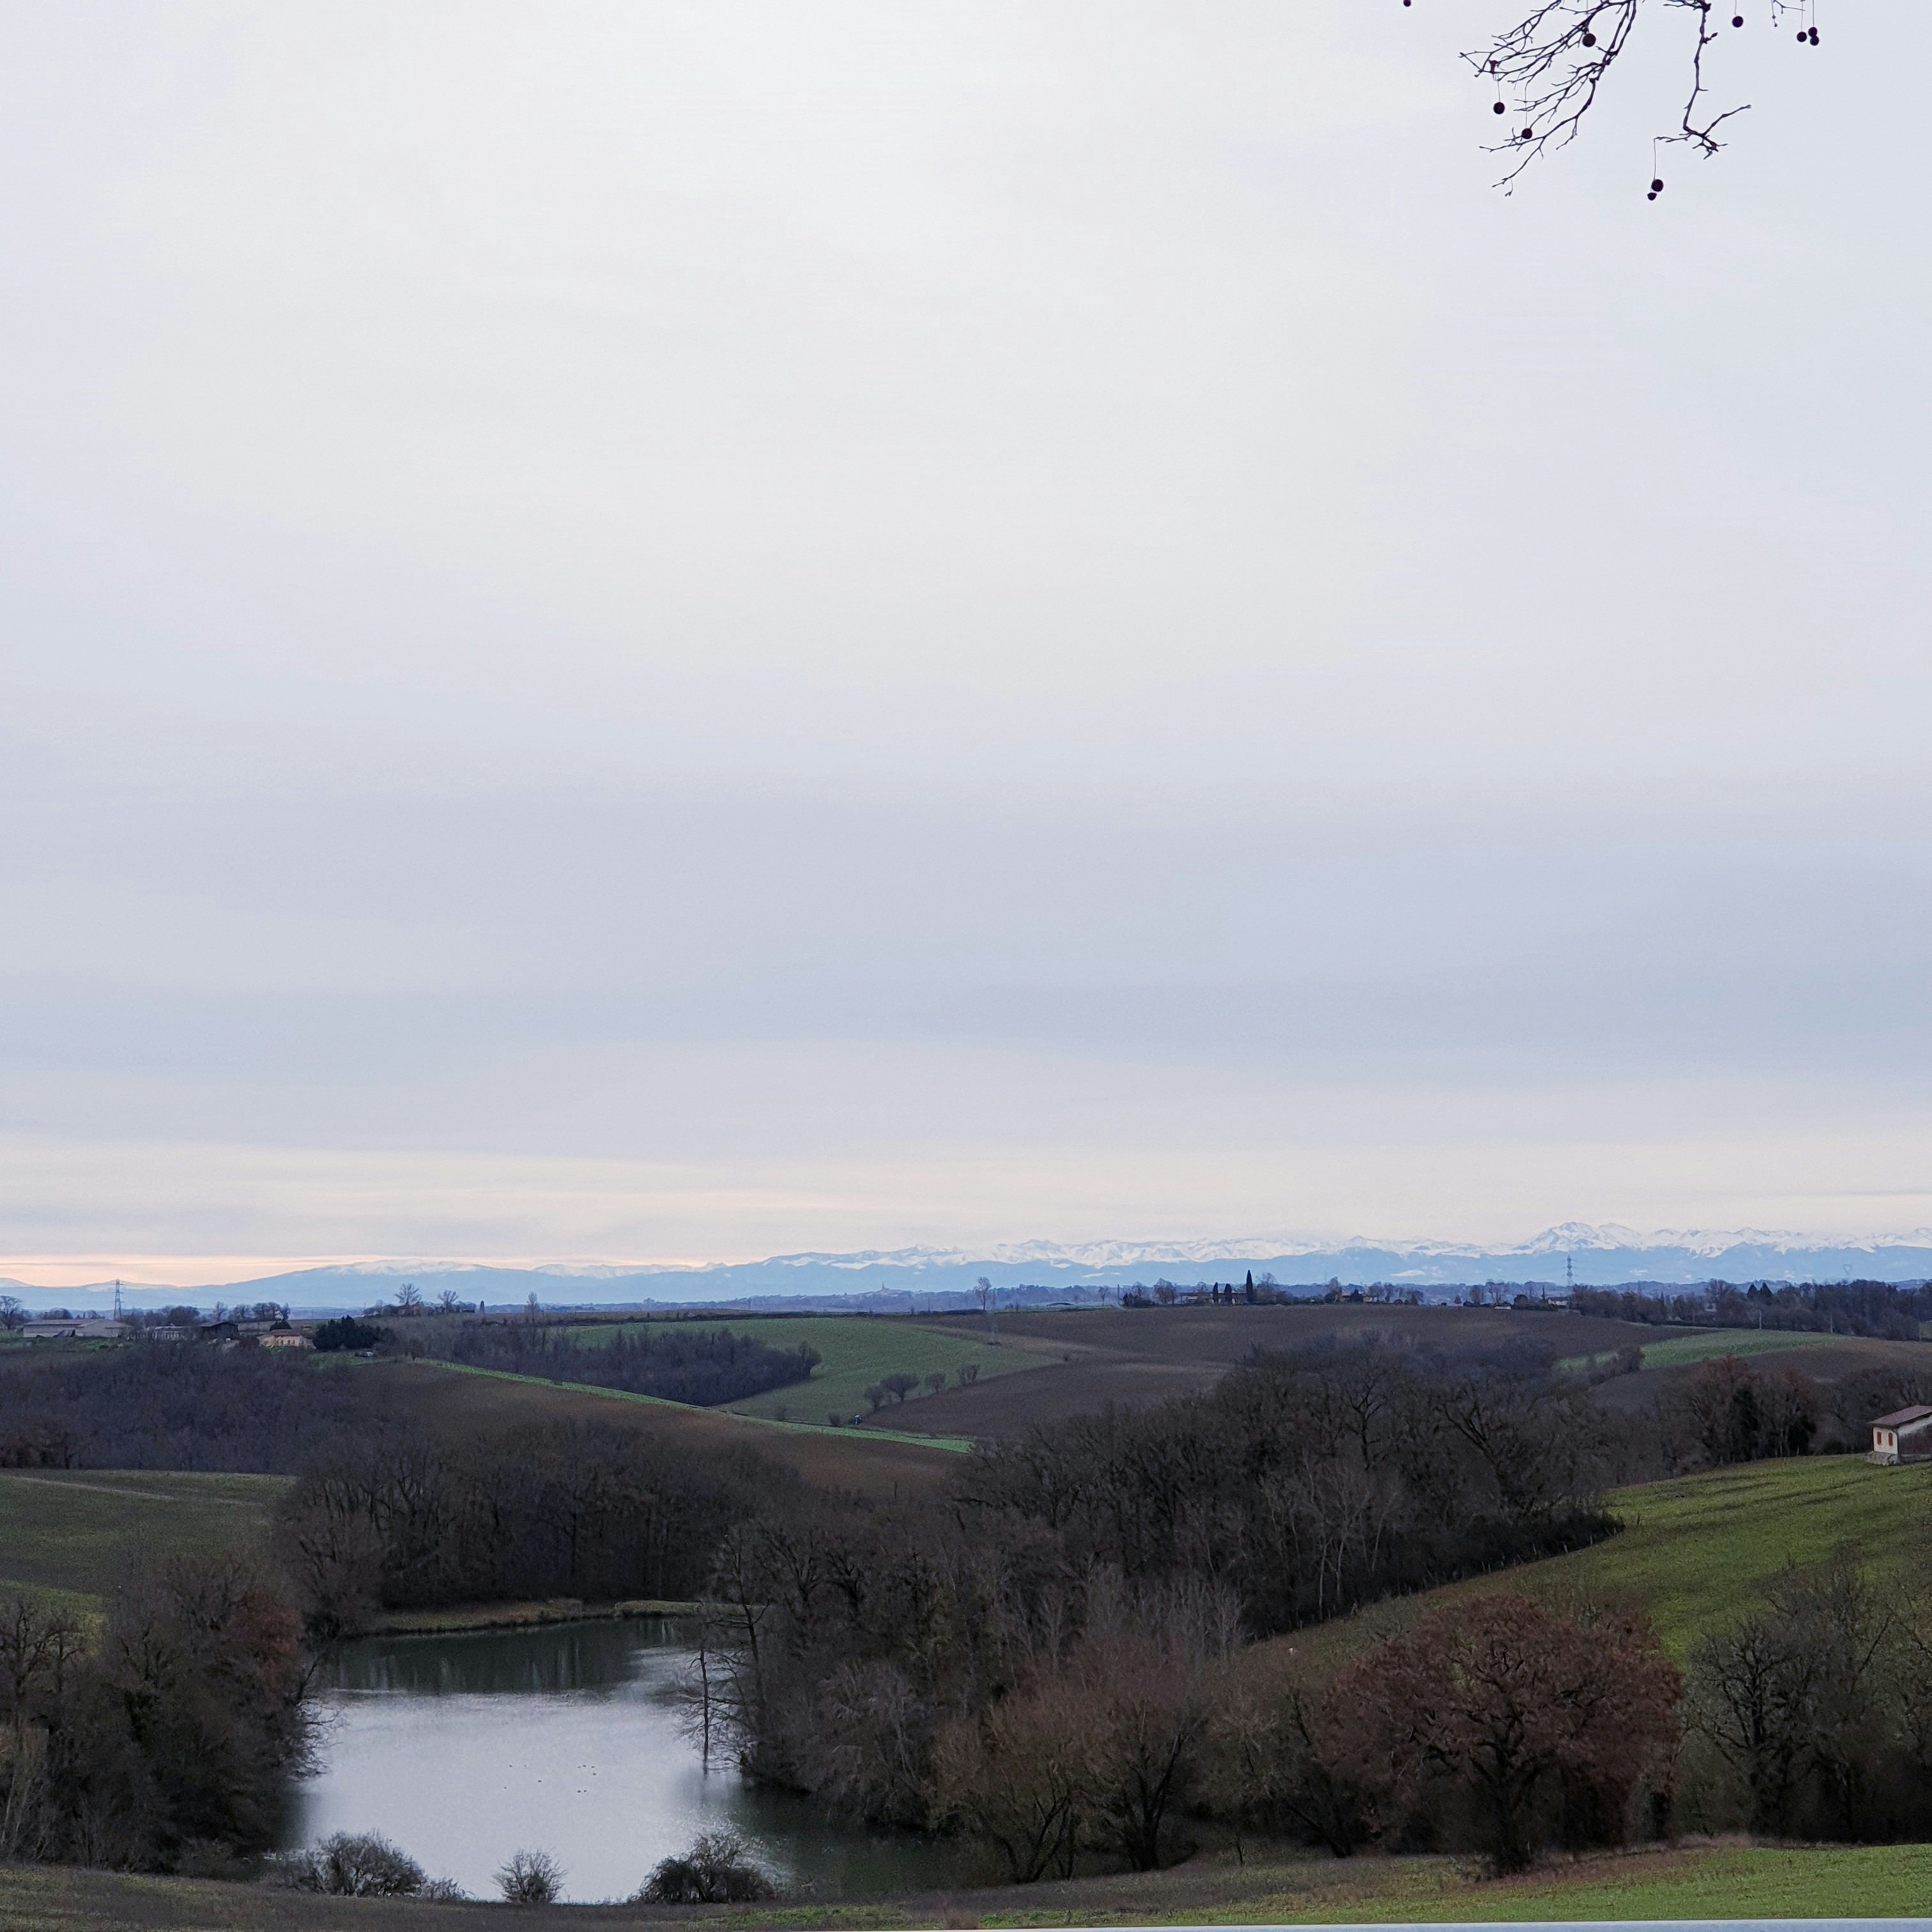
[[461, 1749]]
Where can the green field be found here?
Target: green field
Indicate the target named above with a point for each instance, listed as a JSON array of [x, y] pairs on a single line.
[[1705, 1345], [1697, 1551], [70, 1535], [855, 1351], [1703, 1348]]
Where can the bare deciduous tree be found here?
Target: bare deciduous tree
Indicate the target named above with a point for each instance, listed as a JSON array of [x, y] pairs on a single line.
[[530, 1878], [1502, 1706]]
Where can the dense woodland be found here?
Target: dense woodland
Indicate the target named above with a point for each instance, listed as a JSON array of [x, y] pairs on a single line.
[[1062, 1653], [169, 1406], [680, 1363]]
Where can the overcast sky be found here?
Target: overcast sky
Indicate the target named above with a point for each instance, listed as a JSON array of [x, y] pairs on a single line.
[[680, 632]]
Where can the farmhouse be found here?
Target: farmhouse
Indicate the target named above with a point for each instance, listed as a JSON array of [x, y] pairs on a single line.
[[1903, 1436]]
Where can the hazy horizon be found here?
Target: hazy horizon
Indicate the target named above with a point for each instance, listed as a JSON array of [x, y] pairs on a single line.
[[1811, 1257], [711, 631]]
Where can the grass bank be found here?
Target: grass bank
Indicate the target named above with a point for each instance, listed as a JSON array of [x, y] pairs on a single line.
[[70, 1535], [1733, 1882]]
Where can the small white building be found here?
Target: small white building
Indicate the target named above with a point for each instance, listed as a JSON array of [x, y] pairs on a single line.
[[1903, 1436]]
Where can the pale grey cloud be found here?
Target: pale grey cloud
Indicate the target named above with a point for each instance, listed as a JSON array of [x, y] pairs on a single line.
[[944, 622]]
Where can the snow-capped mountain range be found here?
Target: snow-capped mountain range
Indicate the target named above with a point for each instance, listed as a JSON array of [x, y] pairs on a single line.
[[1599, 1256]]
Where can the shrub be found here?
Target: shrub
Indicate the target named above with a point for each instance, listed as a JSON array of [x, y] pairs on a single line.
[[530, 1878], [353, 1864], [715, 1871], [346, 1332]]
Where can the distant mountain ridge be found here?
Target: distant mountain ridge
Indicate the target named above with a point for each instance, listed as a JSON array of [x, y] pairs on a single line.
[[1600, 1255]]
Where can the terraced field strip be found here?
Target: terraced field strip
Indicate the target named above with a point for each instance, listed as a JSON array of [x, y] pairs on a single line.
[[73, 1535]]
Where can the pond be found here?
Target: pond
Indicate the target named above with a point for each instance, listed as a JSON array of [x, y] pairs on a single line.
[[464, 1749]]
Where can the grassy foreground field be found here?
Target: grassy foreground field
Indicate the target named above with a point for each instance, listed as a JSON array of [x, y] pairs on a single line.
[[69, 1535], [1700, 1882], [1697, 1551]]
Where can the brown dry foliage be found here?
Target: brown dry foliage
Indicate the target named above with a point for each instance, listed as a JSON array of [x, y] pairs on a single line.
[[1529, 1725]]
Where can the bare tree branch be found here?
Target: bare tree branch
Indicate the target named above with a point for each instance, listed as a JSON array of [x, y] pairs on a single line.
[[1549, 68]]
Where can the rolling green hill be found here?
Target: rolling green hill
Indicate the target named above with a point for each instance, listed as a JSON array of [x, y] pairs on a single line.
[[70, 1535], [1697, 1551], [857, 1350]]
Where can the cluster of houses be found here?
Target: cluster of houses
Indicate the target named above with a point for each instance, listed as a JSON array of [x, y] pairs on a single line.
[[232, 1334]]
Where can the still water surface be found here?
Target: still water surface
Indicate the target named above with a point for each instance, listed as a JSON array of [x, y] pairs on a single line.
[[462, 1749]]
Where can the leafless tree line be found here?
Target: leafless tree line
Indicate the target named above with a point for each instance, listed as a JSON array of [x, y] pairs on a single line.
[[399, 1518], [1880, 1309], [680, 1363]]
